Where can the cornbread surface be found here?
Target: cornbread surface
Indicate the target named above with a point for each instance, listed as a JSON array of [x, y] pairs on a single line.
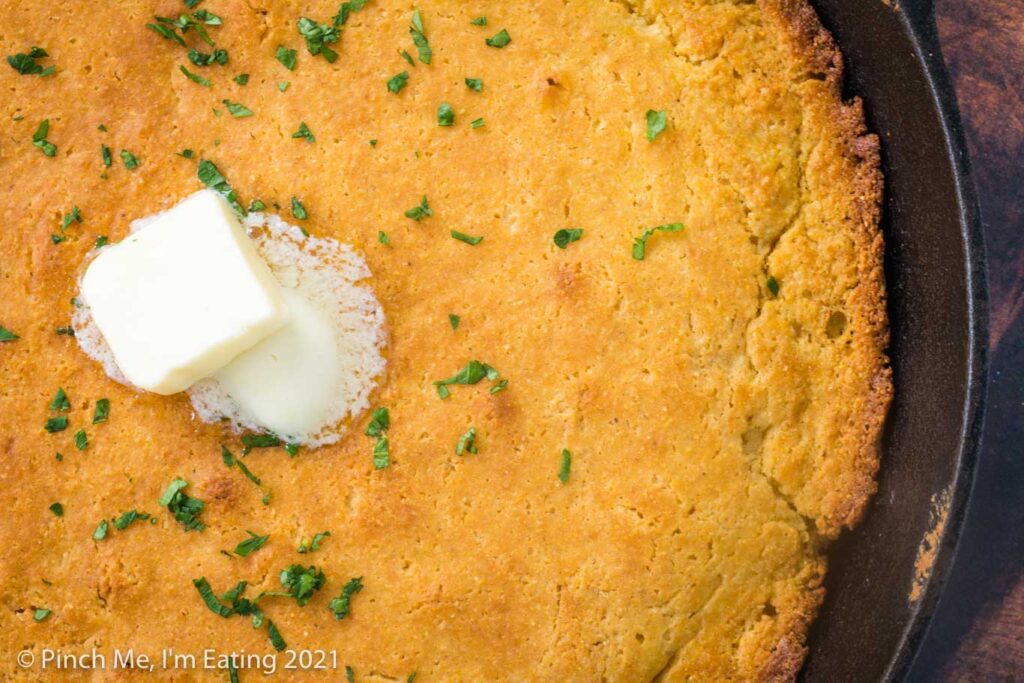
[[720, 434]]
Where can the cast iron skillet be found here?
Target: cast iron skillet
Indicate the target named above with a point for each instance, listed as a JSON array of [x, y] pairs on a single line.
[[935, 274]]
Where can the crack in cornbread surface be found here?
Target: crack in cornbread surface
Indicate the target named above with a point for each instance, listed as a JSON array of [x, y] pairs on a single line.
[[720, 435]]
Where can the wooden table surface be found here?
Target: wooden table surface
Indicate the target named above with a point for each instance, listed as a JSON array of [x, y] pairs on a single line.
[[978, 631]]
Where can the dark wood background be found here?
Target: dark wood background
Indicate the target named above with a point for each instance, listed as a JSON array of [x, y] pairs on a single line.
[[978, 631]]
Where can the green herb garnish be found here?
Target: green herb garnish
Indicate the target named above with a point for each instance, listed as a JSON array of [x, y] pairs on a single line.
[[81, 440], [773, 285], [56, 424], [398, 81], [101, 531], [207, 58], [563, 473], [60, 401], [7, 336], [381, 453], [210, 176], [39, 139], [453, 320], [468, 239], [418, 213], [203, 586], [166, 33], [251, 544], [302, 582], [383, 238], [314, 545], [318, 37], [251, 441], [476, 84], [41, 613], [445, 115], [479, 21], [640, 243], [275, 637], [347, 8], [467, 442], [342, 604], [126, 519], [57, 509], [131, 162], [473, 373], [656, 123], [25, 62], [102, 411], [298, 210], [564, 237], [236, 109], [304, 132], [241, 79], [257, 205], [419, 37], [286, 57], [195, 78], [184, 508], [407, 57], [500, 39], [379, 423], [476, 123]]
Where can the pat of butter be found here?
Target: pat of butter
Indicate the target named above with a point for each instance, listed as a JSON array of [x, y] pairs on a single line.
[[181, 297], [288, 381]]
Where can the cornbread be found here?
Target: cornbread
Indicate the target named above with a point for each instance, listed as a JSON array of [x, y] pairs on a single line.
[[722, 398]]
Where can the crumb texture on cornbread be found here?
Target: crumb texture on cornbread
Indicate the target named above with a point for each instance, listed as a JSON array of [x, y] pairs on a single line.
[[722, 399]]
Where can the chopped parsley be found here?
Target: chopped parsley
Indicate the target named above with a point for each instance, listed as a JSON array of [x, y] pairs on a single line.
[[656, 123], [251, 544], [101, 531], [6, 335], [398, 81], [499, 39], [773, 285], [640, 243], [381, 453], [563, 473], [57, 509], [283, 85], [210, 176], [468, 239], [479, 21], [203, 586], [275, 637], [107, 159], [257, 205], [318, 37], [241, 79], [102, 411], [101, 241], [314, 545], [166, 33], [73, 216], [207, 58], [445, 115], [350, 675], [476, 123], [39, 139], [467, 442], [25, 62], [302, 582], [81, 440], [407, 57], [286, 57], [379, 423], [126, 519], [304, 132], [131, 162], [418, 213], [419, 37], [56, 424], [342, 604], [251, 441], [184, 508], [453, 320], [60, 401], [298, 210], [347, 8], [564, 237], [476, 84], [65, 331], [41, 614], [230, 460], [473, 373], [383, 238], [236, 109], [195, 78]]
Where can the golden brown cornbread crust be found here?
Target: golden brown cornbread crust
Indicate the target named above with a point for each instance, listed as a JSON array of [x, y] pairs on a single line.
[[721, 435]]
